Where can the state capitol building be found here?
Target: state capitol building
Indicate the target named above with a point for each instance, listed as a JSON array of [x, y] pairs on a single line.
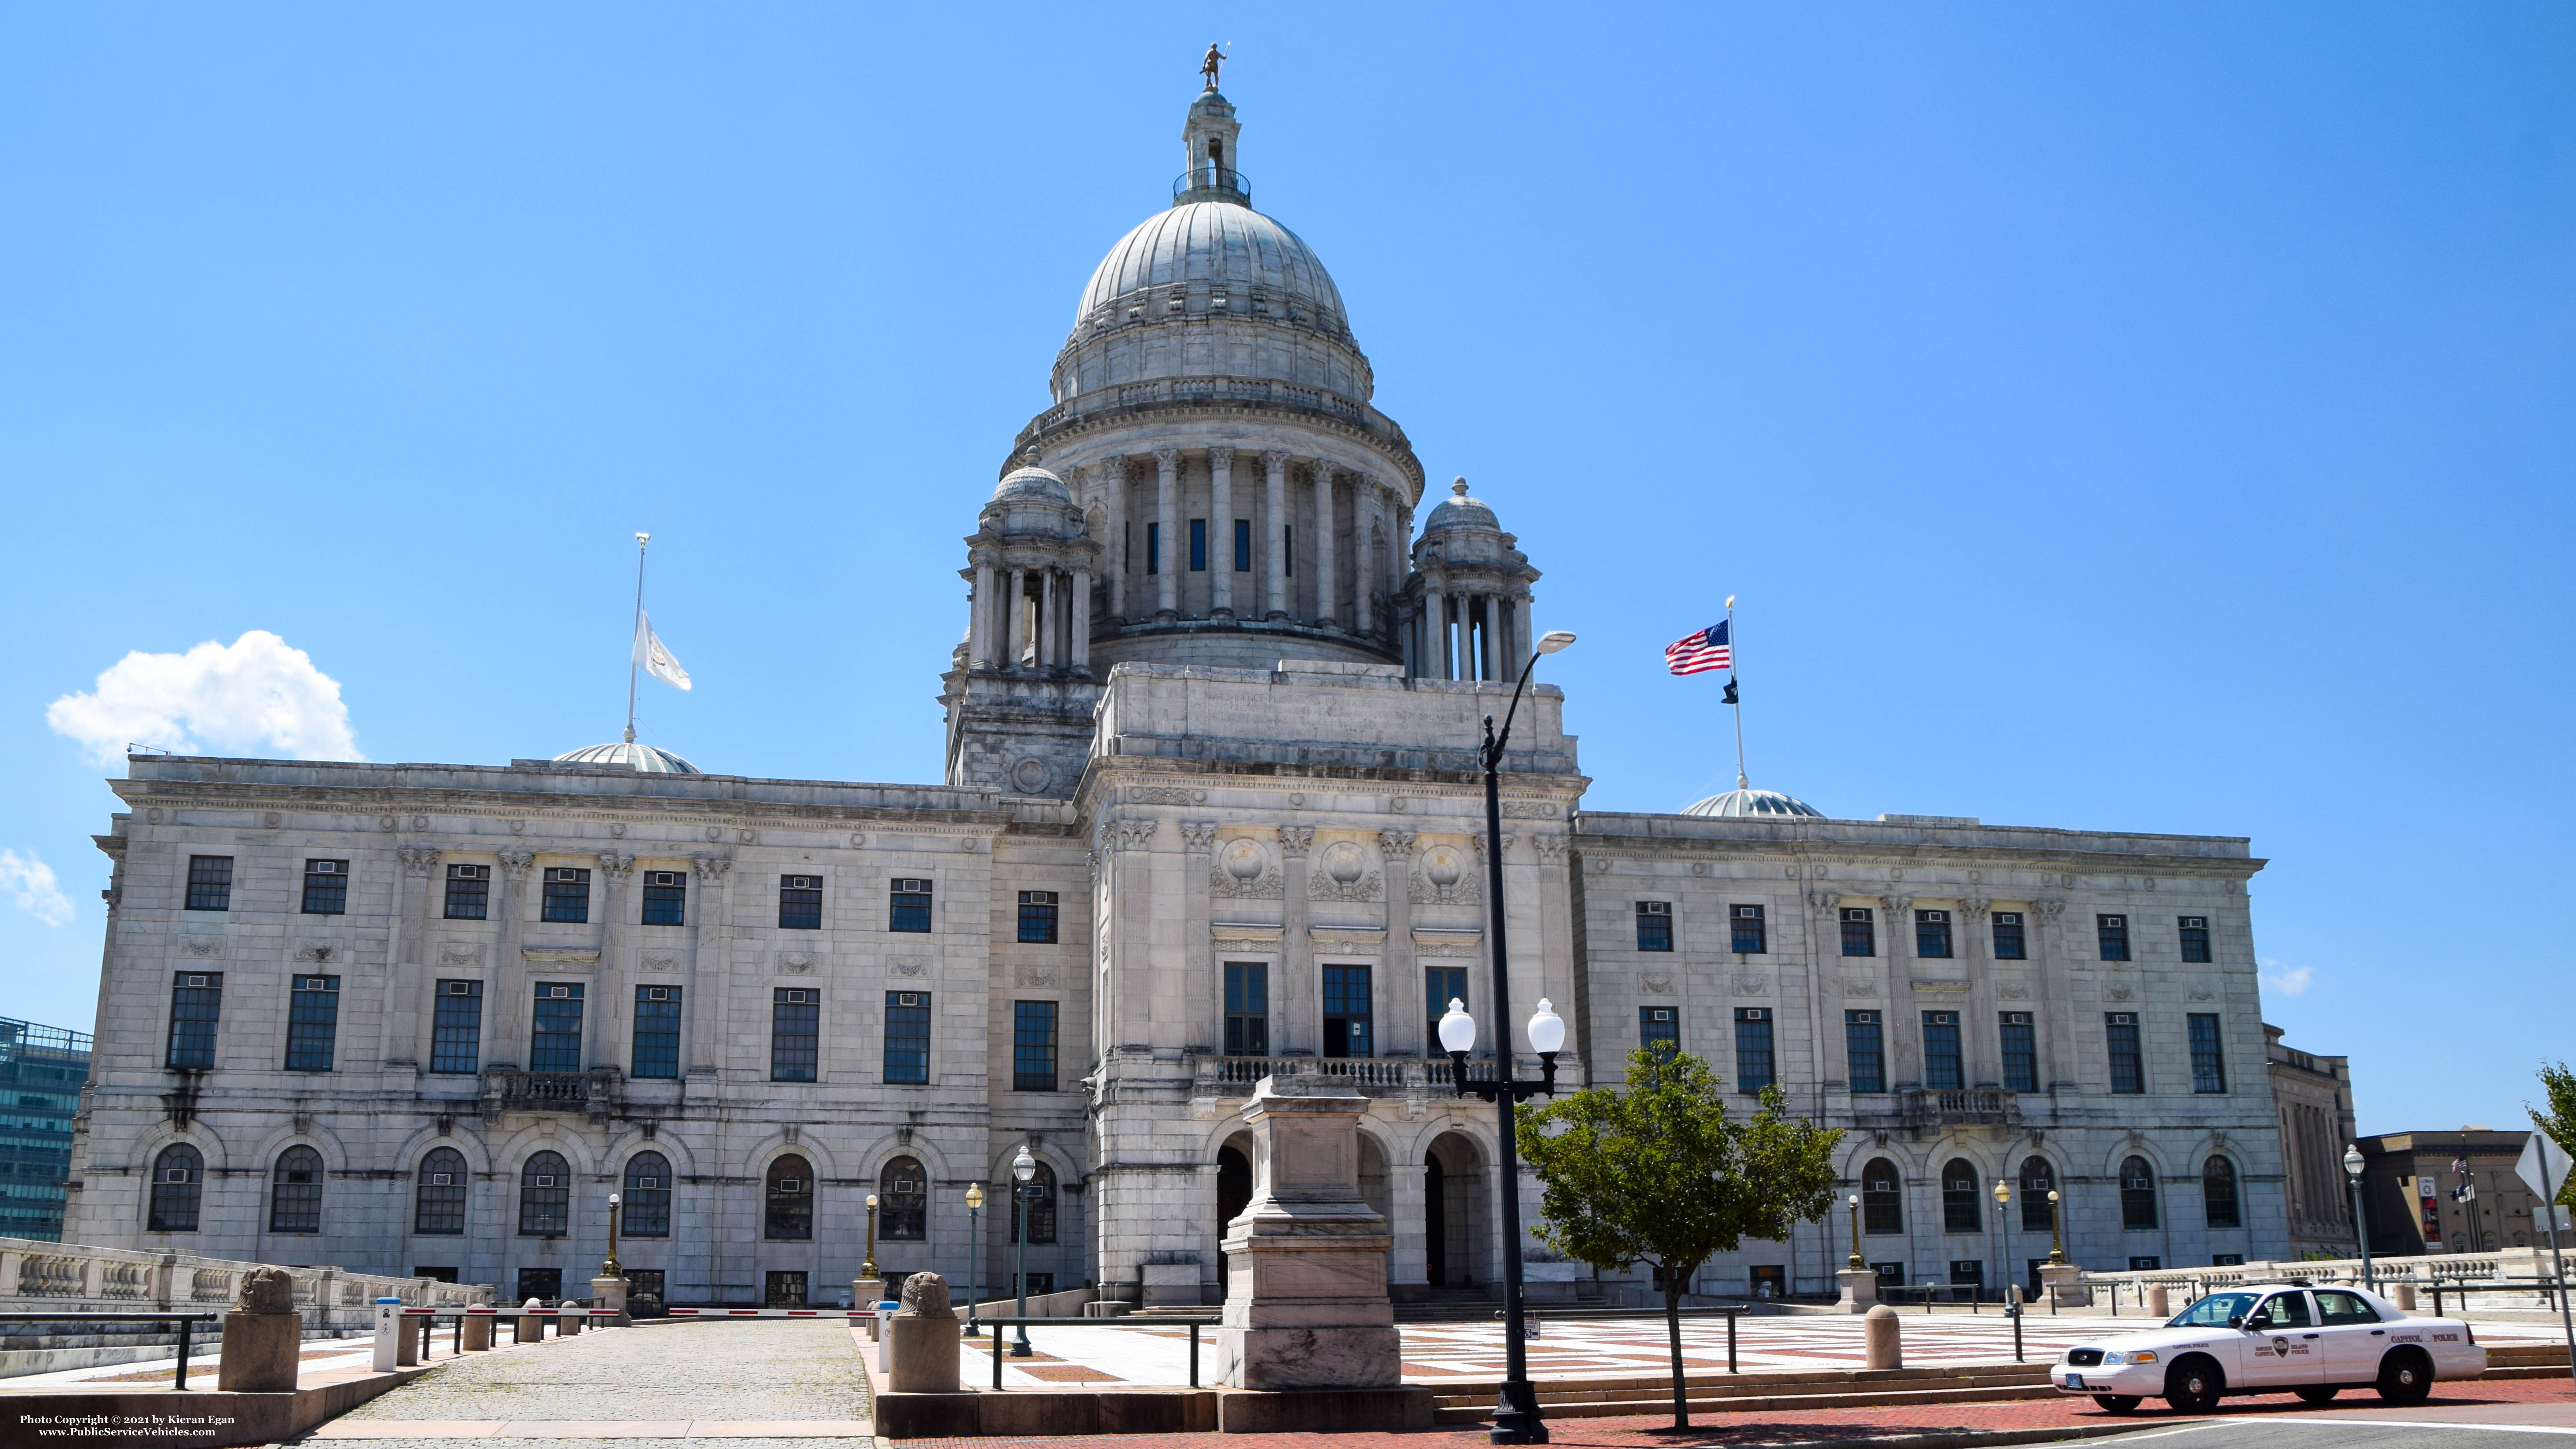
[[1212, 812]]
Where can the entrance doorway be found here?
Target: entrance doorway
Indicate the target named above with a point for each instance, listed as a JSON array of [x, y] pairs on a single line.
[[1454, 1238], [1233, 1195]]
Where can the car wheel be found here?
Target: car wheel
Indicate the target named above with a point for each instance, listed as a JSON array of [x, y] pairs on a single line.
[[2319, 1395], [2193, 1386], [2405, 1377], [2116, 1403]]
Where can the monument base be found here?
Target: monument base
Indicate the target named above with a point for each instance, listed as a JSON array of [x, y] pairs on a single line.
[[260, 1352], [1860, 1290], [1336, 1358], [1322, 1411]]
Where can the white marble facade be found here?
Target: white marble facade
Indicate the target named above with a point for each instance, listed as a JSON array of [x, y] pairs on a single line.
[[1219, 699]]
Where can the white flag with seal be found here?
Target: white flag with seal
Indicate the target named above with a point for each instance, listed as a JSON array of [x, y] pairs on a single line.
[[654, 656]]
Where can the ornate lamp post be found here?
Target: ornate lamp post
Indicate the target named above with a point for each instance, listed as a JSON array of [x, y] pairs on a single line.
[[974, 1259], [2360, 1230], [608, 1268], [1856, 1263], [2012, 1280], [868, 1265], [2056, 1237], [1024, 1171]]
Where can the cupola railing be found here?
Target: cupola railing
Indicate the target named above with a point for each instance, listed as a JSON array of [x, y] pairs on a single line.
[[1209, 182]]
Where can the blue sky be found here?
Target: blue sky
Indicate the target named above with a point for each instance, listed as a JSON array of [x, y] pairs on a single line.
[[2148, 417]]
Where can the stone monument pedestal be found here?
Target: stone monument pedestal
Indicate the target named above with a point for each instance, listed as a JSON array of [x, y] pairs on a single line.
[[610, 1293], [922, 1339], [1860, 1290], [263, 1336], [1305, 1297], [2068, 1282]]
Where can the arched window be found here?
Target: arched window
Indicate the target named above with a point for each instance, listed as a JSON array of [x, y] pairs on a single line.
[[178, 1180], [1039, 1207], [1960, 1212], [903, 1202], [647, 1211], [791, 1201], [2038, 1180], [438, 1202], [545, 1196], [295, 1197], [2137, 1194], [1882, 1202], [2218, 1192]]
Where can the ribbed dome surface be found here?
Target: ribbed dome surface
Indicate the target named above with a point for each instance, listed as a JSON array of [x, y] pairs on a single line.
[[1035, 483], [643, 759], [1215, 242], [1754, 802], [1460, 511]]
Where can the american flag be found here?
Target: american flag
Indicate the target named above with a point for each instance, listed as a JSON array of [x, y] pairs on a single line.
[[1701, 652]]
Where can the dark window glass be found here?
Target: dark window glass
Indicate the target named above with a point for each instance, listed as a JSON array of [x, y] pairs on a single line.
[[1198, 545], [1941, 1050], [2113, 932], [1247, 1009], [295, 1195], [567, 895], [178, 1182], [2208, 1063], [312, 1023], [800, 903], [1346, 1012], [1932, 935], [1654, 925], [1243, 545], [1440, 986], [903, 1202], [326, 887], [456, 1027], [1153, 548], [1882, 1200], [1752, 1048], [469, 892], [2336, 1307], [1960, 1199], [1659, 1028], [666, 898], [790, 1194], [196, 1002], [2137, 1194], [555, 1045], [543, 1284], [210, 882], [1037, 1204], [1288, 550], [1751, 935], [795, 1033], [908, 905], [907, 1036], [2008, 939], [2281, 1310], [545, 1197], [2038, 1180], [2194, 931], [1033, 1046], [647, 1211], [1860, 932], [657, 1031], [2218, 1193], [1865, 1051], [2120, 1037], [1037, 917], [438, 1197], [2021, 1052]]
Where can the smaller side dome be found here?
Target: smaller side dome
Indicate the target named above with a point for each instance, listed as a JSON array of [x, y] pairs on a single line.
[[643, 759], [1032, 485], [1461, 511], [1739, 803]]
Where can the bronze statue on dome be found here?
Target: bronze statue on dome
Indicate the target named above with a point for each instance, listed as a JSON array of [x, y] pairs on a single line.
[[1208, 67]]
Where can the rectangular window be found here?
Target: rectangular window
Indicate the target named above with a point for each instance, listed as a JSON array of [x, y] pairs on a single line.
[[2120, 1037], [1752, 1048], [1860, 932], [657, 1031], [1153, 548], [456, 1028], [2146, 1265], [907, 1036], [312, 1023], [1654, 925], [1440, 986], [326, 887], [1288, 550], [1864, 1052], [1033, 1046], [469, 892], [2208, 1063], [2113, 932], [196, 1001], [2194, 931], [908, 905], [210, 882], [1247, 1009], [795, 1033], [567, 895], [2008, 941], [1659, 1028], [2021, 1052], [1941, 1051], [1198, 545], [800, 903], [1752, 937], [1932, 935], [1037, 917], [666, 898], [1346, 1012], [1243, 545], [555, 1043]]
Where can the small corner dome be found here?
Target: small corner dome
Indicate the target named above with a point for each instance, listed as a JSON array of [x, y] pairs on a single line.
[[1032, 485], [1738, 803], [1460, 511], [643, 759]]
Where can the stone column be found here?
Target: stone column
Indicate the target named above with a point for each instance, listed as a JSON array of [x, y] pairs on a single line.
[[1409, 1265], [1112, 474], [1904, 1039], [1167, 513], [607, 1026], [1078, 619], [2054, 1011], [1274, 499], [1323, 544], [1981, 1036], [1363, 553], [510, 970], [1200, 979], [1299, 1024], [1221, 532], [409, 985], [698, 1031], [1486, 655], [979, 646], [1396, 987], [1049, 649], [1015, 613], [1306, 1304]]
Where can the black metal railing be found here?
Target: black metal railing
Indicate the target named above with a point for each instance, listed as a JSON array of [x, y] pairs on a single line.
[[1533, 1320], [183, 1320], [1220, 182], [1155, 1321]]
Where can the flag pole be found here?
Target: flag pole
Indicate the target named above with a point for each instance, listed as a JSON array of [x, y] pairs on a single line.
[[1734, 644], [641, 540]]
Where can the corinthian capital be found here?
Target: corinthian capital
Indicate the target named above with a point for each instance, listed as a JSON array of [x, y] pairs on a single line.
[[1398, 844], [1221, 457], [515, 863], [1294, 840], [711, 867], [1198, 834], [616, 867], [418, 860]]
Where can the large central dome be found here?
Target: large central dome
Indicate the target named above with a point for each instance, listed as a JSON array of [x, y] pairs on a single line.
[[1219, 248]]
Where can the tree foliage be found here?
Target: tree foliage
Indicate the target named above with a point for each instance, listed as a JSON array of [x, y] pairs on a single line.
[[2560, 1120]]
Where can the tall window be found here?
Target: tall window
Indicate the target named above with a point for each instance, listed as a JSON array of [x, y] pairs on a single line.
[[1751, 937], [1198, 545], [1752, 1048], [648, 1196], [1247, 1009], [555, 1043], [1882, 1201], [2113, 933], [295, 1193], [1243, 545], [2218, 1193], [178, 1181], [908, 905], [907, 1036], [1346, 1011], [1960, 1198], [1941, 1050], [469, 892], [1288, 550], [210, 882], [196, 1002], [2038, 1180], [1865, 1051], [800, 903], [545, 1196], [438, 1199], [567, 896], [790, 1197], [1860, 932], [2021, 1052], [795, 1033], [1037, 917], [1932, 935], [1659, 1028], [2008, 937], [903, 1202], [666, 898], [2120, 1039], [1153, 548], [1654, 925], [2208, 1063], [2194, 931], [2137, 1194], [312, 1023], [1038, 1206], [1032, 1046], [657, 1031], [1440, 986], [326, 887], [456, 1027]]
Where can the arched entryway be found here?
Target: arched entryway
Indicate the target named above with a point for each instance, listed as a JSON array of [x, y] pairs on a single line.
[[1233, 1193], [1455, 1240]]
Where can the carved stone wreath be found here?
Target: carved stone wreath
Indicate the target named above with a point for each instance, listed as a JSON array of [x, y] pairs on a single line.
[[1655, 985], [1343, 875], [1445, 878], [1244, 870]]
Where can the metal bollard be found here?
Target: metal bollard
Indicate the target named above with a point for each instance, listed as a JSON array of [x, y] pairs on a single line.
[[1730, 1342], [2012, 1310], [1194, 1354], [388, 1332]]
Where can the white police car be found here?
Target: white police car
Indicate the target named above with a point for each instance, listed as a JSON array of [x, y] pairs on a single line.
[[2313, 1342]]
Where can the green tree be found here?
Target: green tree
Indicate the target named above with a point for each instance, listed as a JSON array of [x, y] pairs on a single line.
[[1659, 1173], [2560, 1120]]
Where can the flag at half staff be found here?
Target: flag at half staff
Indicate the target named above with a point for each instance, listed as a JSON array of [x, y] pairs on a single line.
[[1701, 652], [654, 656]]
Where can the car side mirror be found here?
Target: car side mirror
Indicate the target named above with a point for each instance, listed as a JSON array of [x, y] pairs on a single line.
[[2236, 1320]]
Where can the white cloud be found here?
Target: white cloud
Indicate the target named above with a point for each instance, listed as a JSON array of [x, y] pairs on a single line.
[[30, 883], [256, 694], [2288, 980]]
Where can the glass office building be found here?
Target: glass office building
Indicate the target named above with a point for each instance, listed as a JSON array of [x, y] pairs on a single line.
[[42, 1069]]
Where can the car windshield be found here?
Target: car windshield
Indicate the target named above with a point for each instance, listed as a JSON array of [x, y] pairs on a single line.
[[2214, 1310]]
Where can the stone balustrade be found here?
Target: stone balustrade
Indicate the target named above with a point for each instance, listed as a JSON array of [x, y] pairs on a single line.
[[37, 1277], [1225, 1076], [2508, 1265]]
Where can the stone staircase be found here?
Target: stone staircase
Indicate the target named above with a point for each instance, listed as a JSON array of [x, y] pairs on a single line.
[[2527, 1361], [1770, 1391]]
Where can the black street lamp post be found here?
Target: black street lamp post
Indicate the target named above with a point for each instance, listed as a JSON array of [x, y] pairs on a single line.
[[1024, 1169]]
